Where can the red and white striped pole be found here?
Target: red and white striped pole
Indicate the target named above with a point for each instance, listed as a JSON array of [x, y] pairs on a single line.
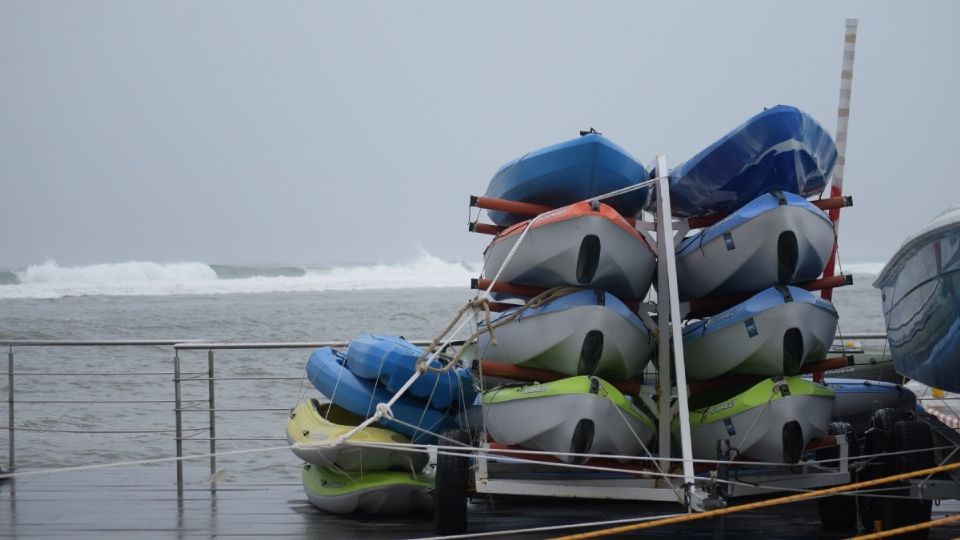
[[843, 117]]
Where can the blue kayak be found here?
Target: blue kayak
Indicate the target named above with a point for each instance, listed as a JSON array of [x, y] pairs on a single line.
[[782, 148], [570, 172], [778, 238], [393, 360], [772, 333], [328, 370]]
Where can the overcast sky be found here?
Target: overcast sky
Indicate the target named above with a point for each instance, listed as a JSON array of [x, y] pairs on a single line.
[[322, 133]]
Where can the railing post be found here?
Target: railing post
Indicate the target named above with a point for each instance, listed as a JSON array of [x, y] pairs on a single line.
[[211, 399], [10, 402], [177, 404]]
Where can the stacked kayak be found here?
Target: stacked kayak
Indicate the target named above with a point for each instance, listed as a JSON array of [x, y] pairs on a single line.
[[771, 421], [857, 399], [373, 470], [568, 418], [373, 493], [570, 172], [590, 257], [584, 244], [780, 149], [772, 240], [773, 333], [777, 238], [589, 332]]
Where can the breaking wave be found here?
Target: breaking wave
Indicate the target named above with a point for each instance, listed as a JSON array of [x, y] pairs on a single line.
[[137, 278]]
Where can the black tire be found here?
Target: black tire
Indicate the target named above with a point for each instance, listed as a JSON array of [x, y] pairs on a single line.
[[878, 440], [450, 494], [905, 436], [839, 512]]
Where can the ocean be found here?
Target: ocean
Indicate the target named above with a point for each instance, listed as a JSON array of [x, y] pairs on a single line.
[[197, 301]]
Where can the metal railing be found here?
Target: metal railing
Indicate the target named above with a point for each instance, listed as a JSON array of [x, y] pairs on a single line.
[[179, 376]]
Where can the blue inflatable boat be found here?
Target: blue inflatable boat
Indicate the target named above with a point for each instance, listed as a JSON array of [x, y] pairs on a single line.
[[772, 333], [777, 239], [570, 172], [393, 360], [328, 370], [782, 148], [857, 399]]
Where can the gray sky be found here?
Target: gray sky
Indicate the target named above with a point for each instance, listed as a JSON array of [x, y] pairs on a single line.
[[320, 133]]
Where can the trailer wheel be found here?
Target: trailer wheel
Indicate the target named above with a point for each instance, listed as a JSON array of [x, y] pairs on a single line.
[[450, 494], [839, 512], [908, 436], [878, 441]]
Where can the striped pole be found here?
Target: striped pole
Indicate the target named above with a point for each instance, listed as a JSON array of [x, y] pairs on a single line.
[[843, 118]]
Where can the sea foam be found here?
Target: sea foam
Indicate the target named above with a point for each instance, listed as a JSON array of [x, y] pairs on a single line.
[[137, 278]]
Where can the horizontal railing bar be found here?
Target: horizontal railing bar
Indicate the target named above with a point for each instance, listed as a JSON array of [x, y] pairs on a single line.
[[284, 345], [241, 379], [863, 335], [267, 345], [100, 431], [233, 439], [287, 409], [118, 401], [114, 374], [94, 343]]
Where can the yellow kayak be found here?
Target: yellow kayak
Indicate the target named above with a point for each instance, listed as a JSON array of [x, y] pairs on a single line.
[[371, 493], [314, 421]]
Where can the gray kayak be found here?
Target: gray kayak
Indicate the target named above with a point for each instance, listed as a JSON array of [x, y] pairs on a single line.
[[771, 421], [772, 333], [583, 333], [858, 399], [371, 492], [778, 238], [578, 415], [575, 245]]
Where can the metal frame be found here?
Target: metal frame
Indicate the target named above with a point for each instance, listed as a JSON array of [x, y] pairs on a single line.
[[506, 478]]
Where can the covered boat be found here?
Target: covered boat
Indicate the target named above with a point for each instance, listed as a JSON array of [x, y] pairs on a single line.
[[920, 286], [772, 333], [578, 415], [587, 332], [584, 244], [370, 492], [393, 360], [781, 148], [857, 399], [770, 421], [328, 370], [314, 421], [570, 172], [873, 363], [778, 238]]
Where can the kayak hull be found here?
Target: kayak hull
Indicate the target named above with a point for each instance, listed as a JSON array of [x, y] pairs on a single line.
[[766, 335], [584, 333], [764, 423], [313, 422], [770, 241], [780, 149], [577, 246], [372, 493], [580, 415], [569, 172]]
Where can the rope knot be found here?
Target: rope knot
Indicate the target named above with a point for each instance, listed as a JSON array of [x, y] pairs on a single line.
[[384, 411]]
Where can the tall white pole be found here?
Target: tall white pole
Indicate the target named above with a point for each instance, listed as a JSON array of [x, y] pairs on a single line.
[[843, 118], [669, 327]]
